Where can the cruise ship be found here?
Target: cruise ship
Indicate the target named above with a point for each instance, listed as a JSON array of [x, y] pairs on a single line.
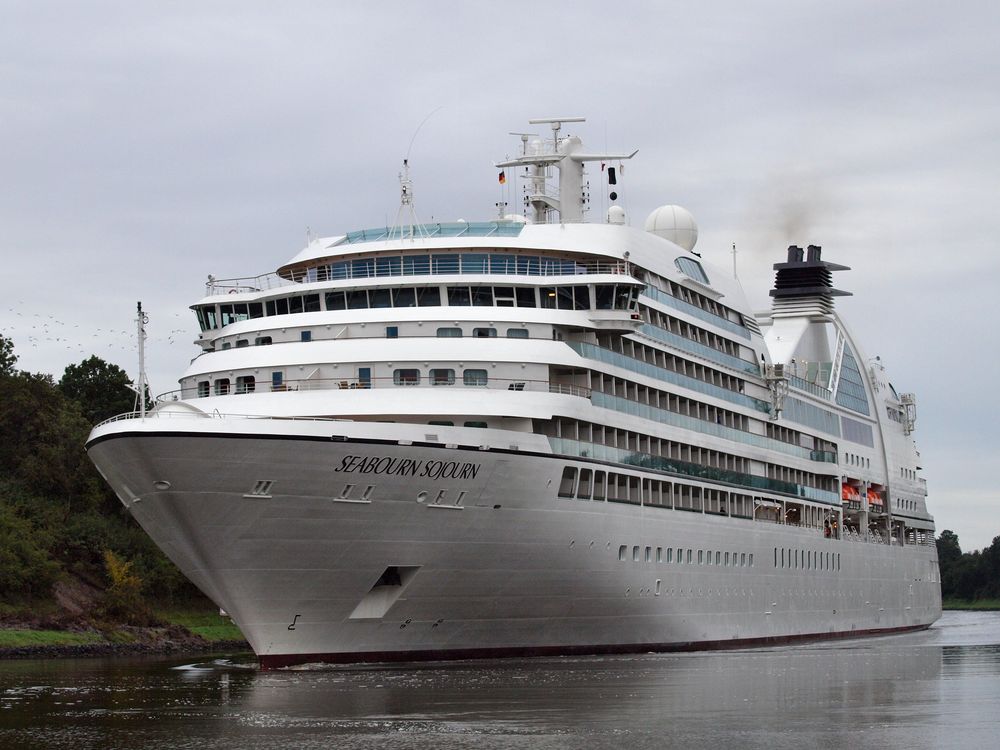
[[528, 436]]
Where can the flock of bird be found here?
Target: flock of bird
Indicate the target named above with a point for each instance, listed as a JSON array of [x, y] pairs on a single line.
[[32, 330]]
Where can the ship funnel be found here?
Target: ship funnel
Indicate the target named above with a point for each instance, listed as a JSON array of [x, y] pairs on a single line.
[[803, 286], [802, 311]]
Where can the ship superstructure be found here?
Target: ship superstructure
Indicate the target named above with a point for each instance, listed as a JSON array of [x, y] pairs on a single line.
[[531, 435]]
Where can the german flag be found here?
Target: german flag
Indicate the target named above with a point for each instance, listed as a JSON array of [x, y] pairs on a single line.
[[502, 178]]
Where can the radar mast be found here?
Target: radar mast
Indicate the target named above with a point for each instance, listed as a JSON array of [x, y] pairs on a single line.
[[567, 156]]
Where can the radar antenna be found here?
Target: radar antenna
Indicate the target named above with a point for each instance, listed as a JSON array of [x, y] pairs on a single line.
[[141, 386], [566, 156]]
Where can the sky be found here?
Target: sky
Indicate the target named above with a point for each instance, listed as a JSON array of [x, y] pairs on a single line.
[[144, 146]]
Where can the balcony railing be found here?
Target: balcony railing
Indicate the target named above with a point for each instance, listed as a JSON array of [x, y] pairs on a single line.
[[396, 266], [353, 383]]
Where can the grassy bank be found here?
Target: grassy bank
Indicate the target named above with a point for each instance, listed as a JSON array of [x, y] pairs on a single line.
[[207, 624], [984, 605], [22, 637], [193, 627]]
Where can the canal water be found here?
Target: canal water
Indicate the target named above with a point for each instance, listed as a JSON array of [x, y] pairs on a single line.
[[936, 689]]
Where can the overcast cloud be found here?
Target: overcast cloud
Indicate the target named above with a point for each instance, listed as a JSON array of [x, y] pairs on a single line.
[[144, 146]]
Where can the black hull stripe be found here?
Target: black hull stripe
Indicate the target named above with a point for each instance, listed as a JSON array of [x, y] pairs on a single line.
[[277, 661]]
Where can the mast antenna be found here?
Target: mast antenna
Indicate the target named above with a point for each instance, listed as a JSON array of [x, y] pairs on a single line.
[[141, 320], [406, 212]]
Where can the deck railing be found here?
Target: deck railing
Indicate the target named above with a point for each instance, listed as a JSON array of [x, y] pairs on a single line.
[[543, 268]]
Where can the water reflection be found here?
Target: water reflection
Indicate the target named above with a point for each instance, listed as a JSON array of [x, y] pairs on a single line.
[[917, 691]]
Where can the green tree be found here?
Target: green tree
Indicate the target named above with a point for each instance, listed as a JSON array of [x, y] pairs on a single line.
[[25, 566], [102, 389], [948, 548], [7, 357]]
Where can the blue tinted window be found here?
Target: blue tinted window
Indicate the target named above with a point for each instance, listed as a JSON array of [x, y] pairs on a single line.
[[362, 268], [475, 263], [338, 270], [387, 266], [527, 264], [416, 265], [445, 263], [692, 268]]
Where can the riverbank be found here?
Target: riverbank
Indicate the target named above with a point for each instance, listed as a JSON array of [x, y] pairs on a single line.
[[979, 605], [182, 630]]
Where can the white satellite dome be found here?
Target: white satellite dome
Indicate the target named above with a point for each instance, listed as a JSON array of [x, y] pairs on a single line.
[[675, 224], [616, 215]]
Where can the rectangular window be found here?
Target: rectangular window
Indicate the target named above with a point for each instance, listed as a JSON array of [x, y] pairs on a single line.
[[256, 310], [203, 388], [449, 333], [222, 386], [517, 333], [295, 305], [482, 296], [416, 265], [581, 298], [310, 303], [649, 554], [701, 557], [409, 376], [599, 481], [336, 301], [380, 298], [458, 296], [445, 263], [484, 333], [442, 376], [635, 553], [281, 306], [474, 377], [548, 296], [387, 266], [504, 296], [392, 332], [525, 296], [405, 297], [304, 335], [240, 343], [474, 263], [564, 297], [276, 380], [503, 264], [568, 482], [362, 268], [262, 341], [670, 554], [659, 554], [622, 552], [245, 384], [357, 299], [584, 488], [476, 423], [429, 296], [605, 294]]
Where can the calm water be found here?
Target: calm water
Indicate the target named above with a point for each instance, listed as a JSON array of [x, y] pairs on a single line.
[[940, 688]]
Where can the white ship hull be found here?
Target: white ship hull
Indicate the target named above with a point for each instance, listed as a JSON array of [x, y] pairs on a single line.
[[512, 569]]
